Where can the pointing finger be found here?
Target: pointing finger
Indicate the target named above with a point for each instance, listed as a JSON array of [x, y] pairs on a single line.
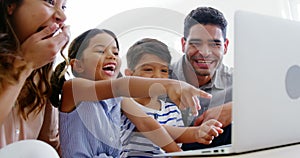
[[204, 94]]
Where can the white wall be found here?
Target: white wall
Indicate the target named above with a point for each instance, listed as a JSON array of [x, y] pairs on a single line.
[[130, 22]]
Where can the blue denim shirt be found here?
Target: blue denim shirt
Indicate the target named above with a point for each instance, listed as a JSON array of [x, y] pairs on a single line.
[[91, 130]]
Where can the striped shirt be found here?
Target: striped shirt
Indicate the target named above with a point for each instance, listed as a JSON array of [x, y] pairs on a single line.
[[134, 144]]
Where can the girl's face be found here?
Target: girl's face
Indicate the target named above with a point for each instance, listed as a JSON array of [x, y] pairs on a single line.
[[34, 15], [100, 60]]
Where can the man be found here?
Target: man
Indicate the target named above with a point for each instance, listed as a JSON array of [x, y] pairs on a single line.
[[204, 44]]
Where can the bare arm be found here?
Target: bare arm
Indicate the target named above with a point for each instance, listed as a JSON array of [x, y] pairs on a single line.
[[202, 134], [148, 126], [78, 89]]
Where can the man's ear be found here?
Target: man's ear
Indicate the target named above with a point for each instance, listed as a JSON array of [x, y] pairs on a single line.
[[11, 8], [183, 44], [128, 72], [77, 66], [226, 46]]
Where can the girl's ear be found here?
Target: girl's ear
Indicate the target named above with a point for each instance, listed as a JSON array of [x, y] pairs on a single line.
[[128, 72], [11, 8], [77, 66]]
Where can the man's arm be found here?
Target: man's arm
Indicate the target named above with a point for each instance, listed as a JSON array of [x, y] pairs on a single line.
[[222, 113]]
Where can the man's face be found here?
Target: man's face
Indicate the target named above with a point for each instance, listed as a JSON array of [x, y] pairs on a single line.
[[204, 48]]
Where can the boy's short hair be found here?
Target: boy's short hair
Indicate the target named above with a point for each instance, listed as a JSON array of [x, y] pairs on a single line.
[[147, 46]]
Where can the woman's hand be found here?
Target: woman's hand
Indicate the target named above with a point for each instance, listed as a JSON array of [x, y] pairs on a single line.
[[42, 47]]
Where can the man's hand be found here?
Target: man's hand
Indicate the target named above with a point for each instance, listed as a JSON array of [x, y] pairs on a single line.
[[222, 113]]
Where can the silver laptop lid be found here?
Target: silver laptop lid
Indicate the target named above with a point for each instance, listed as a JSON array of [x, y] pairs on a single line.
[[266, 87]]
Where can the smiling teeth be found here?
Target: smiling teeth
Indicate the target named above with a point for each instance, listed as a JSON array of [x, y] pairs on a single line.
[[110, 66], [203, 61]]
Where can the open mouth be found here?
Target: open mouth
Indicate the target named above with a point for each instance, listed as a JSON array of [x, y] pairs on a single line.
[[204, 61], [109, 69], [203, 64]]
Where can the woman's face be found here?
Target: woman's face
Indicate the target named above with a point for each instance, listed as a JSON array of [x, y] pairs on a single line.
[[32, 16], [100, 60]]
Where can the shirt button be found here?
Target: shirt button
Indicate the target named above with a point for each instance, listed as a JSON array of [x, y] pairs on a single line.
[[17, 131], [111, 139]]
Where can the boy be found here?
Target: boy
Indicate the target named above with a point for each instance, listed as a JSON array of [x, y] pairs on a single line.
[[148, 58]]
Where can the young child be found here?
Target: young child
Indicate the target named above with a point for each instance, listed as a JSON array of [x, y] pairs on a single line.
[[27, 49], [148, 58], [90, 103]]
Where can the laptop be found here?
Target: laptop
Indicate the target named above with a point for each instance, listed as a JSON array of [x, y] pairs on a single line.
[[266, 85]]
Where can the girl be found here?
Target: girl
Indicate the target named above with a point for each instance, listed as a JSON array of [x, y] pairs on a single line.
[[89, 127], [27, 48]]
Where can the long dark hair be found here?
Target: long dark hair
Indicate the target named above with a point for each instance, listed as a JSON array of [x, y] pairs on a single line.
[[34, 94], [76, 48]]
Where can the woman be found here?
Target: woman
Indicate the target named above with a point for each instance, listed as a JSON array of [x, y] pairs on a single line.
[[28, 45]]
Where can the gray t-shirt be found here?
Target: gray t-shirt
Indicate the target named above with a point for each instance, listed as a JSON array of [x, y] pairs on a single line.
[[220, 86]]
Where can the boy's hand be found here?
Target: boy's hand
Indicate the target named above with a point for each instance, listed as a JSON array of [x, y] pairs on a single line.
[[208, 131]]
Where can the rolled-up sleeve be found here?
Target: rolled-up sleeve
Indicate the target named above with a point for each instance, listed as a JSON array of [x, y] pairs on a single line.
[[49, 131]]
